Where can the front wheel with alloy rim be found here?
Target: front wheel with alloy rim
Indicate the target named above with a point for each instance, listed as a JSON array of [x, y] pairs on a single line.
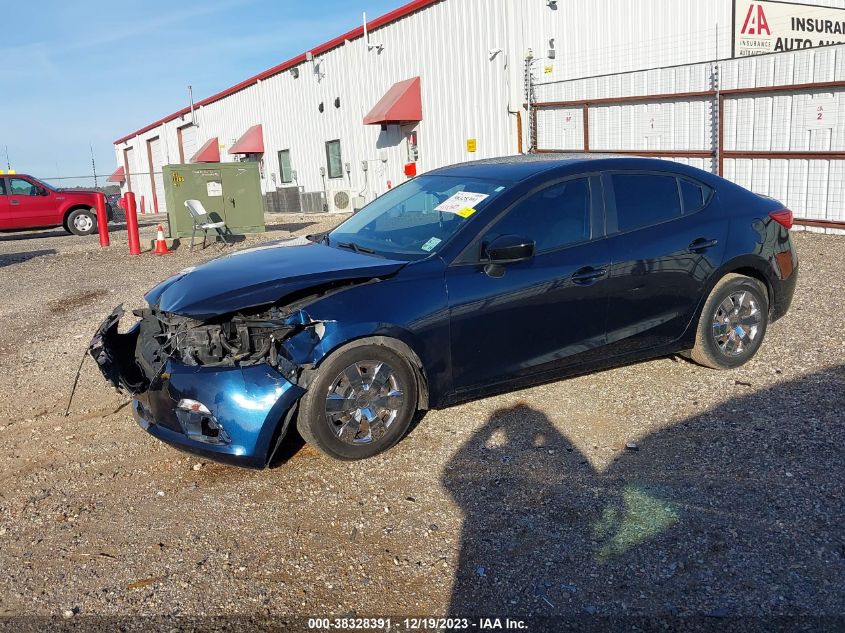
[[82, 222], [732, 324], [360, 403]]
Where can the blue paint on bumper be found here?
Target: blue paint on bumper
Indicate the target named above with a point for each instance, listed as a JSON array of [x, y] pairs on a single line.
[[251, 403]]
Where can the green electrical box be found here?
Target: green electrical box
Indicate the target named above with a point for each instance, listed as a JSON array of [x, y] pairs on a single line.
[[230, 192]]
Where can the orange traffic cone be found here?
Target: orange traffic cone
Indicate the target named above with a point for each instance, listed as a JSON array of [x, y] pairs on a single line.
[[161, 244]]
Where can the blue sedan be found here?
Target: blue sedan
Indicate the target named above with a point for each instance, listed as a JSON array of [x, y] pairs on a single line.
[[468, 281]]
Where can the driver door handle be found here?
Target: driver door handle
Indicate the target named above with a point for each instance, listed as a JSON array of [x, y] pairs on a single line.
[[14, 202], [589, 275]]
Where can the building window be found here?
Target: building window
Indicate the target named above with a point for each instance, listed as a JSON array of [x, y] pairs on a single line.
[[285, 169], [334, 159]]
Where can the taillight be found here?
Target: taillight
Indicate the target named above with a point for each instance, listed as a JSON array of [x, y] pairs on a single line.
[[782, 217]]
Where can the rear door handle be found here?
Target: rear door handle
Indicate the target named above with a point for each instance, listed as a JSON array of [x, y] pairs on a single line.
[[14, 202], [700, 245], [588, 276]]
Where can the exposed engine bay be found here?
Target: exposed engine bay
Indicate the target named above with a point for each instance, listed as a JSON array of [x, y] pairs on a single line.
[[241, 339], [133, 361], [273, 335]]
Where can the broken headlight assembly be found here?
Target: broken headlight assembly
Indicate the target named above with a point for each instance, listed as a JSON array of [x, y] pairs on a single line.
[[199, 424]]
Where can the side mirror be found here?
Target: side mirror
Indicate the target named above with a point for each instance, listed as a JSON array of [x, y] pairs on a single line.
[[509, 249], [43, 192]]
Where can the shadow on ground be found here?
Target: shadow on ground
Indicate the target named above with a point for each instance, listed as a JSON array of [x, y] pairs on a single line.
[[736, 512], [31, 234], [19, 258], [291, 227]]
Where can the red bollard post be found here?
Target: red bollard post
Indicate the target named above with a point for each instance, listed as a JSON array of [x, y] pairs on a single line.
[[102, 219], [143, 206], [132, 224]]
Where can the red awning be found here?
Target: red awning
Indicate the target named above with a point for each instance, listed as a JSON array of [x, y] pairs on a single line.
[[401, 104], [119, 175], [209, 153], [252, 142]]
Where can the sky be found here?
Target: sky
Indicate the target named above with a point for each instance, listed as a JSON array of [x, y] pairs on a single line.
[[80, 74]]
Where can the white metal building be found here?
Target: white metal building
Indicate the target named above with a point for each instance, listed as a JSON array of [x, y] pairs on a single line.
[[443, 81]]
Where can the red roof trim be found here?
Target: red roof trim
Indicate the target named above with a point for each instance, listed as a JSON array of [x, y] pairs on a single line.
[[252, 142], [208, 153], [354, 34], [401, 104], [119, 175]]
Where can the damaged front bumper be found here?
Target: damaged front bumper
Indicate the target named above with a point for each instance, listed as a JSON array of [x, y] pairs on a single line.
[[235, 414]]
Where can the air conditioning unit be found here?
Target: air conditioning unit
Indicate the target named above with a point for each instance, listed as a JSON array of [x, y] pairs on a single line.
[[340, 201]]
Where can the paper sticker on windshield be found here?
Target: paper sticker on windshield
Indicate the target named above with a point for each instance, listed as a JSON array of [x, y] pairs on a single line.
[[461, 201], [431, 244], [465, 213]]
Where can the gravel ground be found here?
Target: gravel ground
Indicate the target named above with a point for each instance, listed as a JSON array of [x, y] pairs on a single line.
[[727, 500]]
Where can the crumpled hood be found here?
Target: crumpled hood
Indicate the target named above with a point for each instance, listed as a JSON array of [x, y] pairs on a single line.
[[262, 276]]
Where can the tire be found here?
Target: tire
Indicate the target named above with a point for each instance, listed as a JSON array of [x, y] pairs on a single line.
[[82, 222], [334, 416], [737, 301]]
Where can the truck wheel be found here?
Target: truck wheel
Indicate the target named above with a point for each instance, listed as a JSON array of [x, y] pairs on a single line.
[[360, 403], [82, 222]]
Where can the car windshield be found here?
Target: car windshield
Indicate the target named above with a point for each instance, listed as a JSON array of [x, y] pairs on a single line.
[[416, 219]]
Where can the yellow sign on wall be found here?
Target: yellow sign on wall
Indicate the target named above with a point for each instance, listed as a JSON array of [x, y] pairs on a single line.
[[472, 145]]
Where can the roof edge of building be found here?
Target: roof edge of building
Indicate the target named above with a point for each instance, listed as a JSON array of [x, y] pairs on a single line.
[[354, 34]]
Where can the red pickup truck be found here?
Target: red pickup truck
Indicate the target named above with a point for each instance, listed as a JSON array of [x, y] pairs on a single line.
[[28, 203]]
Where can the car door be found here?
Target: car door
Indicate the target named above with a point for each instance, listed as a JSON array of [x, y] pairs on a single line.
[[664, 245], [28, 204], [541, 314], [5, 219]]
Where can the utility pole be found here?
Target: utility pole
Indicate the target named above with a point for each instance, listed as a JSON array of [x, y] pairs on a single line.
[[93, 165], [8, 162]]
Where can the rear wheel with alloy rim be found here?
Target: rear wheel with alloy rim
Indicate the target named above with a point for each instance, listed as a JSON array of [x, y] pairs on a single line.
[[732, 324], [360, 403]]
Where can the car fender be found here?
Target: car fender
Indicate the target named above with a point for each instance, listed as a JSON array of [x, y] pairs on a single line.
[[742, 264], [340, 337]]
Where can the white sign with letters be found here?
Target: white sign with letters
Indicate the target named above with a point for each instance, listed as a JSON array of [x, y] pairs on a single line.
[[821, 113], [652, 121], [764, 26], [461, 201], [214, 188]]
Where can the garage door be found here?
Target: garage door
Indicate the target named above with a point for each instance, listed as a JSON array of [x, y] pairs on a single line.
[[157, 181]]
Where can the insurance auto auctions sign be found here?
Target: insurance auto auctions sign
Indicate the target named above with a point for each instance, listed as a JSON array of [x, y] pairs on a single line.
[[765, 26]]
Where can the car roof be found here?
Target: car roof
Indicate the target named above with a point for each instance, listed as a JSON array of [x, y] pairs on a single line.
[[525, 167]]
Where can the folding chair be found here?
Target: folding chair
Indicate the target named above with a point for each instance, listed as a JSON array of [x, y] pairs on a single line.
[[202, 223]]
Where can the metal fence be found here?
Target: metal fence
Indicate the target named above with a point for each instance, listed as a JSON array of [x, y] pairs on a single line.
[[772, 123]]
